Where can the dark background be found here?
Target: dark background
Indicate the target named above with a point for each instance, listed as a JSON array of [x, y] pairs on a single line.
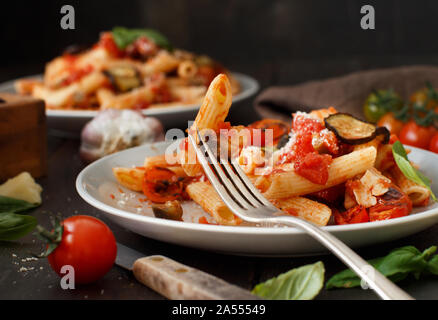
[[277, 41]]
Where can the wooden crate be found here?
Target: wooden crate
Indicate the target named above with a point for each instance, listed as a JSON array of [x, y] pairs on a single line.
[[23, 136]]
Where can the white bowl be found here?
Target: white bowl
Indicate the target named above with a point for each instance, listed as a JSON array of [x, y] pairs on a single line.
[[96, 182], [71, 122]]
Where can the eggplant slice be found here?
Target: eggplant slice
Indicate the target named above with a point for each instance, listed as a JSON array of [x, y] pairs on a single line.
[[171, 210], [124, 78], [353, 131]]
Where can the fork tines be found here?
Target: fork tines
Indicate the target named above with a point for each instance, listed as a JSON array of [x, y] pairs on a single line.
[[230, 182]]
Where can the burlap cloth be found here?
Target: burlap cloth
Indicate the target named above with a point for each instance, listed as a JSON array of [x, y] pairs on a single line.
[[347, 93]]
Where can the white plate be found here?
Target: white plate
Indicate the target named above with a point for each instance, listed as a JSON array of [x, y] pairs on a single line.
[[96, 183], [70, 122]]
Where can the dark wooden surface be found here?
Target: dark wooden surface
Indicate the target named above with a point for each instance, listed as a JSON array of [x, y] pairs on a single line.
[[60, 198]]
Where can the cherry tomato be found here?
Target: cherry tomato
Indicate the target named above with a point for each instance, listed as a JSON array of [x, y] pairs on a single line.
[[330, 195], [314, 167], [420, 97], [393, 204], [88, 245], [433, 146], [379, 103], [391, 123], [161, 185], [415, 135], [357, 214], [279, 129]]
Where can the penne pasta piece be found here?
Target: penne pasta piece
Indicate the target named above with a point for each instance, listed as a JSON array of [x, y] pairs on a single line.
[[212, 113], [418, 194], [285, 184], [156, 161], [131, 178], [188, 94], [384, 158], [162, 62], [204, 194], [187, 69], [108, 99], [69, 96], [306, 209], [55, 99]]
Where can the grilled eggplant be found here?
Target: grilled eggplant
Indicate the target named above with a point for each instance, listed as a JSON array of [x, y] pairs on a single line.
[[353, 131]]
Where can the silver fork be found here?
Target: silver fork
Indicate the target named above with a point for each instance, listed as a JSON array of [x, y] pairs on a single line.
[[244, 200]]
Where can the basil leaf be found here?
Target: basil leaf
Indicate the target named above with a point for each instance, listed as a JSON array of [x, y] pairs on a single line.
[[397, 265], [432, 265], [14, 226], [14, 205], [302, 283], [124, 37], [407, 169]]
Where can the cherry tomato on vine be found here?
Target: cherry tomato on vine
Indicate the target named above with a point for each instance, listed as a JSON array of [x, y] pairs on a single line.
[[433, 146], [379, 103], [391, 123], [415, 135], [421, 96], [88, 245]]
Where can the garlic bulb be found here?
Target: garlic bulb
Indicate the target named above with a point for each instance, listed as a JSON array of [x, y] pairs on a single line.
[[114, 130]]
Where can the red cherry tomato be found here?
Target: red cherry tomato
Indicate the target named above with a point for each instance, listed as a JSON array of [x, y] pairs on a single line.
[[415, 135], [357, 214], [279, 129], [393, 204], [88, 245], [433, 146], [161, 185], [107, 42], [391, 123]]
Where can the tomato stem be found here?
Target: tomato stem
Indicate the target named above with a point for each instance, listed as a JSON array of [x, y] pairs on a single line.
[[52, 238]]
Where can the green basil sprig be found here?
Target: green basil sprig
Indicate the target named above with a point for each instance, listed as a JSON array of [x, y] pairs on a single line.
[[15, 205], [397, 265], [401, 158], [12, 224], [124, 37], [302, 283]]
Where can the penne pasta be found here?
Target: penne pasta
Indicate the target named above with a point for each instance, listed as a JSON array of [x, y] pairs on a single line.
[[306, 209], [204, 194], [141, 74], [131, 178], [212, 113], [290, 184], [418, 194], [187, 69], [156, 161]]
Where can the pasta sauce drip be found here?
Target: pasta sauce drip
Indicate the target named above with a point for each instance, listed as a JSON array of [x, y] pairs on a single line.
[[308, 162]]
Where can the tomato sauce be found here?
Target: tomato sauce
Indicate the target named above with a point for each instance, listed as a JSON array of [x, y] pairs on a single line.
[[308, 163], [77, 74]]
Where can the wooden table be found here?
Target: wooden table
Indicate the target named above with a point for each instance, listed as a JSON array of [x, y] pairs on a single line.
[[60, 198]]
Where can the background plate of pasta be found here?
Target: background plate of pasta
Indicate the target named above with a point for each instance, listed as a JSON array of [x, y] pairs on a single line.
[[339, 172], [126, 69]]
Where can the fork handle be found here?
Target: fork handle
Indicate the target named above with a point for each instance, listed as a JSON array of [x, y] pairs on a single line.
[[384, 287]]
